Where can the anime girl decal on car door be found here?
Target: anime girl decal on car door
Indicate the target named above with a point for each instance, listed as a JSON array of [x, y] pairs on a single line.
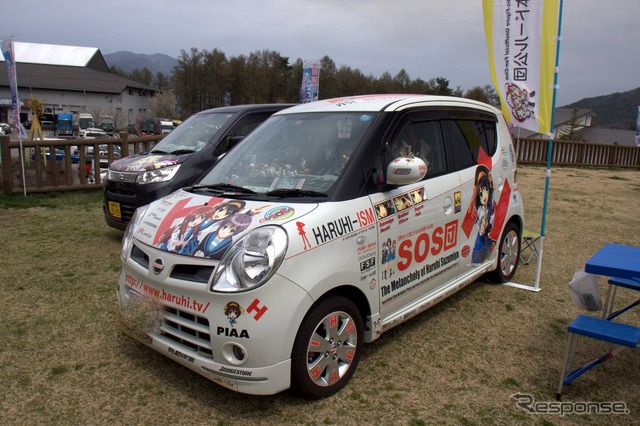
[[485, 213]]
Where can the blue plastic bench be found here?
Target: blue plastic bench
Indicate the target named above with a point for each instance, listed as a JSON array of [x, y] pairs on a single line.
[[623, 335], [625, 282], [608, 331]]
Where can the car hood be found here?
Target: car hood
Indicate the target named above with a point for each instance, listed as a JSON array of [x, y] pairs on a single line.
[[142, 162], [203, 226]]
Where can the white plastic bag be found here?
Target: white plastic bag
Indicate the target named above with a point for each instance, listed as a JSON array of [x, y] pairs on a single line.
[[584, 291]]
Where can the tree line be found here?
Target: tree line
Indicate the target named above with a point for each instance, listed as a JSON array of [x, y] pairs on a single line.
[[204, 79]]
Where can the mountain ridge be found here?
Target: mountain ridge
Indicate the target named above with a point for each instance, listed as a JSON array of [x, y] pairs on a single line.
[[129, 61], [616, 111]]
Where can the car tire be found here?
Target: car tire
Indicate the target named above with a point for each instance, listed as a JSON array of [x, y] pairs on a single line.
[[327, 348], [508, 254]]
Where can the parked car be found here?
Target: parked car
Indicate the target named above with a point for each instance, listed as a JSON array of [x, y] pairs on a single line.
[[48, 126], [179, 159], [333, 222], [92, 133], [108, 126], [45, 153], [75, 156], [104, 154]]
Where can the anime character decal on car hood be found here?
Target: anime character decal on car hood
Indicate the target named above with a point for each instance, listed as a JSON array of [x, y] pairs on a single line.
[[137, 163], [195, 225]]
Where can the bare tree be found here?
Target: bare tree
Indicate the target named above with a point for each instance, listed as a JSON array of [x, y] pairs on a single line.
[[163, 104]]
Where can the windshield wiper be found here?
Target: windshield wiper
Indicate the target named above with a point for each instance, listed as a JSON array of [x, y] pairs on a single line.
[[183, 151], [158, 151], [292, 192], [224, 187]]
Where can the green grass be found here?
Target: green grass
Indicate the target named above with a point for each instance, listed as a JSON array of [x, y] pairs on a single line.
[[64, 361]]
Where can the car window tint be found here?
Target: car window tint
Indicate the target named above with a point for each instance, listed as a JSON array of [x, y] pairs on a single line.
[[467, 137]]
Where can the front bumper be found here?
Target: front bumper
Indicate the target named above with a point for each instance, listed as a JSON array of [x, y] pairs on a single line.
[[191, 325], [255, 381], [128, 196]]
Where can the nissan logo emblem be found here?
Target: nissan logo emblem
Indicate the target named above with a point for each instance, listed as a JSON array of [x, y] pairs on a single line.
[[158, 266]]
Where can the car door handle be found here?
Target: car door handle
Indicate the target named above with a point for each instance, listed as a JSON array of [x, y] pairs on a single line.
[[447, 205]]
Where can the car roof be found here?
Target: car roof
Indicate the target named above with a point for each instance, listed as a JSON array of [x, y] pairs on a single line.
[[384, 102], [248, 107]]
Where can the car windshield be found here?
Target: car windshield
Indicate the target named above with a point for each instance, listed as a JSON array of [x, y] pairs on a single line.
[[306, 153], [193, 134]]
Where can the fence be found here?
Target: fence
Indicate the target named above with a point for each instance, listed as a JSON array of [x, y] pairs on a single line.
[[64, 165], [569, 153], [50, 165]]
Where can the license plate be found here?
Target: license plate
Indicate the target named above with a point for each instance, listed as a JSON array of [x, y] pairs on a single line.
[[223, 381], [114, 209]]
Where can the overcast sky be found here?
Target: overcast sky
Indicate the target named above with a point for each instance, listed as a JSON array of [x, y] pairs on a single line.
[[599, 51]]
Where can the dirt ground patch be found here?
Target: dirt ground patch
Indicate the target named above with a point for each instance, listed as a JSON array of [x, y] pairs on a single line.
[[64, 361]]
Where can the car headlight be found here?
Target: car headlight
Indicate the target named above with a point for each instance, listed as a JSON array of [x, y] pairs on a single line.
[[252, 260], [158, 175], [131, 228]]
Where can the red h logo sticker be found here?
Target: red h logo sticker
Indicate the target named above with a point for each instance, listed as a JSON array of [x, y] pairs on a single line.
[[260, 310]]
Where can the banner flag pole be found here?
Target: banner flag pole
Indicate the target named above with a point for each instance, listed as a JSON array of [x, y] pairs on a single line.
[[549, 150], [523, 40]]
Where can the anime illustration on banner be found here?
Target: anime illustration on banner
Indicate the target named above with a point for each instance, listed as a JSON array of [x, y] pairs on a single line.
[[521, 47], [310, 82], [9, 58], [520, 101], [638, 128]]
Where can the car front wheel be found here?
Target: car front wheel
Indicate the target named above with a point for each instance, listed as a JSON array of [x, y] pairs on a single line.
[[508, 255], [327, 348]]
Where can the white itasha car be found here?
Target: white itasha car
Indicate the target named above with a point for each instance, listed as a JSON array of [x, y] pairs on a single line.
[[328, 225]]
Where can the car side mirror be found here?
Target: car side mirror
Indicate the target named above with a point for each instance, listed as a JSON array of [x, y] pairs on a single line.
[[406, 170]]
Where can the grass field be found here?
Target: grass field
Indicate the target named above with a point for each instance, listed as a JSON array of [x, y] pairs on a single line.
[[63, 360]]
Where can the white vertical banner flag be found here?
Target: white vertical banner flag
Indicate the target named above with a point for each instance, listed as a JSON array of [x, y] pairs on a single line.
[[310, 81], [638, 128], [521, 38], [9, 57], [6, 45]]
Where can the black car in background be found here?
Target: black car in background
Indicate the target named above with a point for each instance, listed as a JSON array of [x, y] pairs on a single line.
[[179, 159]]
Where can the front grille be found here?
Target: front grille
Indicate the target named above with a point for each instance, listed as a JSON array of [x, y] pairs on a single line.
[[184, 272], [121, 187], [190, 331], [127, 211], [194, 273], [124, 187], [122, 176]]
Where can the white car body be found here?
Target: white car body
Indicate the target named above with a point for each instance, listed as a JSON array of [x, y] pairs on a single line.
[[166, 126], [363, 258], [92, 133]]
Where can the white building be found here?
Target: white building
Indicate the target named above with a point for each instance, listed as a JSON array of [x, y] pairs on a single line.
[[71, 79]]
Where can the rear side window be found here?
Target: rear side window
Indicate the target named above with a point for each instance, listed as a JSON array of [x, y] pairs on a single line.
[[468, 136], [241, 130]]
